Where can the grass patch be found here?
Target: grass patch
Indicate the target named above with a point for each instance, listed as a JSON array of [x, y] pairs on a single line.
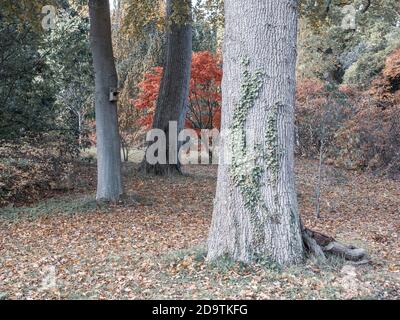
[[63, 205], [261, 280]]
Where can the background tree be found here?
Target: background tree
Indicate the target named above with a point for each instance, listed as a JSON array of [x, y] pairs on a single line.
[[39, 130], [71, 66], [27, 97], [206, 31], [109, 181], [352, 56], [174, 89]]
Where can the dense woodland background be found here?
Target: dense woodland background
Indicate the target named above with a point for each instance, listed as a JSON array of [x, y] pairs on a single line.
[[151, 243]]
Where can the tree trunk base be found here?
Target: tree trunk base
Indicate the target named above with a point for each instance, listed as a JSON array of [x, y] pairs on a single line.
[[321, 246], [160, 169]]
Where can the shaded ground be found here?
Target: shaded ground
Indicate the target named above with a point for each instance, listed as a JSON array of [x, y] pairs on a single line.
[[155, 247]]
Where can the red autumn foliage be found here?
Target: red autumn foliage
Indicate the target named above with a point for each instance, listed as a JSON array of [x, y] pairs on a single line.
[[204, 96], [205, 92]]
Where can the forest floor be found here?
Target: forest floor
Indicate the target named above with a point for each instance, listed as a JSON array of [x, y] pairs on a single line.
[[154, 248]]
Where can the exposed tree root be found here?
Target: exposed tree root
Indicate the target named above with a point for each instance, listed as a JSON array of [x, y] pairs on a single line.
[[321, 245]]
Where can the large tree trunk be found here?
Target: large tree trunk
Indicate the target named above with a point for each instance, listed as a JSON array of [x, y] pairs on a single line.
[[109, 181], [174, 89], [256, 213]]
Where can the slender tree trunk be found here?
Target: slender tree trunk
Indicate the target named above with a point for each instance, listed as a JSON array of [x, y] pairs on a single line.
[[80, 129], [109, 181], [319, 183], [256, 212], [173, 96]]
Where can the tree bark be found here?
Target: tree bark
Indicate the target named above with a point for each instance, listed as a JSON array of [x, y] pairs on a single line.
[[109, 181], [173, 96], [256, 212]]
